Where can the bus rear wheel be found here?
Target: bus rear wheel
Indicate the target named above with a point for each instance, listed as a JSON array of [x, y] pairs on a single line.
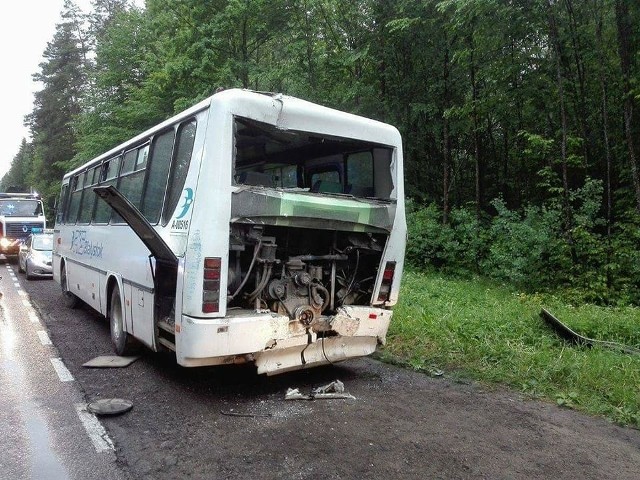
[[123, 343], [70, 299]]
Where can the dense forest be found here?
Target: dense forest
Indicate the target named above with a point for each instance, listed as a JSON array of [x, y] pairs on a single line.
[[519, 120]]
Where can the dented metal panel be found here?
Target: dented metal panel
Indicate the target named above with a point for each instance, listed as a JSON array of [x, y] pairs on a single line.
[[274, 207]]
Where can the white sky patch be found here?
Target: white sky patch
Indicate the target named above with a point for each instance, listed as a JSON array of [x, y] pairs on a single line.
[[25, 29]]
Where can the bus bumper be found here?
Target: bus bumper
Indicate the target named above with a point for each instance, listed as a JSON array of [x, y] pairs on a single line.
[[277, 344]]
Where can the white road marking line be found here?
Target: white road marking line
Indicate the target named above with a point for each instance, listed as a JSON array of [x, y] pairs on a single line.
[[26, 303], [16, 284], [63, 373], [22, 293], [44, 337], [33, 317], [98, 435]]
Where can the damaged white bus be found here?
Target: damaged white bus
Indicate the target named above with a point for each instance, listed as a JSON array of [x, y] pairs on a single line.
[[250, 228]]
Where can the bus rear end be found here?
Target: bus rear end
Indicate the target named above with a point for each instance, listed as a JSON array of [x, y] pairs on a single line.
[[311, 263]]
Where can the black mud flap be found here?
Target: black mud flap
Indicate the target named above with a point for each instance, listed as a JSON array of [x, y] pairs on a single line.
[[138, 224]]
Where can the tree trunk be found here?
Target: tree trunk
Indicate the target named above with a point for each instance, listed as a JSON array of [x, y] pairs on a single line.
[[555, 41], [476, 132], [623, 24], [605, 130], [446, 141]]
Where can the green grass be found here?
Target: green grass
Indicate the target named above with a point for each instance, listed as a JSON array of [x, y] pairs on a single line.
[[490, 333]]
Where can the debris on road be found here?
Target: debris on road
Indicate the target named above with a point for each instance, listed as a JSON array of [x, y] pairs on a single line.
[[333, 390], [231, 413], [294, 394], [110, 361], [110, 406], [567, 334]]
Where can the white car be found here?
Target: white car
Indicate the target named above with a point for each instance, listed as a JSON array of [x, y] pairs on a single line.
[[34, 257]]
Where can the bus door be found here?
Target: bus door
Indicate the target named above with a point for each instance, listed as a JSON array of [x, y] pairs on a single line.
[[166, 265]]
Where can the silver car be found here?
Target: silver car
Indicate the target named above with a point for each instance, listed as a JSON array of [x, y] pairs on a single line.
[[34, 257]]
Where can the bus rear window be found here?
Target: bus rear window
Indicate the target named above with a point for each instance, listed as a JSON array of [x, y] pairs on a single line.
[[273, 158]]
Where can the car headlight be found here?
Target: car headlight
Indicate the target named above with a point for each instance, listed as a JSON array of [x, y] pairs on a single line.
[[4, 242]]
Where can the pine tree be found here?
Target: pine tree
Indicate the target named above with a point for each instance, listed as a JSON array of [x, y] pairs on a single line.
[[62, 74]]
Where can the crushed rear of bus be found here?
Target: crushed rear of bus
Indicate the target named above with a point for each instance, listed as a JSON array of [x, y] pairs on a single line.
[[316, 248]]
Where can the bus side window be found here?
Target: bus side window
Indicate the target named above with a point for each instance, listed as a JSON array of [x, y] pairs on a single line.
[[159, 162], [326, 181], [131, 178], [88, 197], [360, 174], [108, 177], [62, 204], [179, 168], [76, 195]]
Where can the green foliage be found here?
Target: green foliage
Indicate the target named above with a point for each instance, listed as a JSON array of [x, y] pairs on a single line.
[[531, 249], [494, 334], [454, 247]]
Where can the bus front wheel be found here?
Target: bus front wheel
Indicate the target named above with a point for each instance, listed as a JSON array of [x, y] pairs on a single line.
[[70, 299], [123, 343]]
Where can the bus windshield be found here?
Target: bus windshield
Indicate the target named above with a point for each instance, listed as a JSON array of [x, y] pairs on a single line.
[[20, 208]]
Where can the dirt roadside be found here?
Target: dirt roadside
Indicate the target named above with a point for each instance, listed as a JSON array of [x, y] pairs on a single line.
[[402, 424]]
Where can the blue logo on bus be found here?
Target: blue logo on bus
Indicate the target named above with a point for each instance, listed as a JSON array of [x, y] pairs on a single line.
[[188, 200]]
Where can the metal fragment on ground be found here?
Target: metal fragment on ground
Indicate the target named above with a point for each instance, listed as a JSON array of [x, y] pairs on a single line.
[[334, 387], [110, 406], [110, 361], [231, 413], [294, 394]]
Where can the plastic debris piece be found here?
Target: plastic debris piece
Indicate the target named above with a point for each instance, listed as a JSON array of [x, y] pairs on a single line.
[[110, 406], [334, 387], [294, 394], [110, 361], [331, 391]]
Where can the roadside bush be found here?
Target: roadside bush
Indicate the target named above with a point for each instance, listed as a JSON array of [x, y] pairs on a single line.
[[525, 249], [539, 248], [453, 248]]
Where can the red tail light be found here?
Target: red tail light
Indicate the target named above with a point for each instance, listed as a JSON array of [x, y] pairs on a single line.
[[211, 285], [387, 281]]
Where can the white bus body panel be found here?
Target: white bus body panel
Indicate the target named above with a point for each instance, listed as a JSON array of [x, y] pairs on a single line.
[[274, 342]]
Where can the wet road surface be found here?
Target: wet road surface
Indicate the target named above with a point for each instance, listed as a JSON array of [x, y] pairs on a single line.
[[45, 430]]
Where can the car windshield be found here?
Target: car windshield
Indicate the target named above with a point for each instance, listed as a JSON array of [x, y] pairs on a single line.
[[20, 208], [43, 242]]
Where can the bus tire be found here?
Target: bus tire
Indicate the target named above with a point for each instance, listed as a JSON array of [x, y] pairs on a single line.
[[70, 300], [123, 343]]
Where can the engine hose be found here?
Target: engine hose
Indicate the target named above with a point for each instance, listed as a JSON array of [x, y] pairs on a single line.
[[261, 283], [246, 277]]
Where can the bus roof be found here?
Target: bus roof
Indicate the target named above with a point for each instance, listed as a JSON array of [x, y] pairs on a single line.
[[283, 111]]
